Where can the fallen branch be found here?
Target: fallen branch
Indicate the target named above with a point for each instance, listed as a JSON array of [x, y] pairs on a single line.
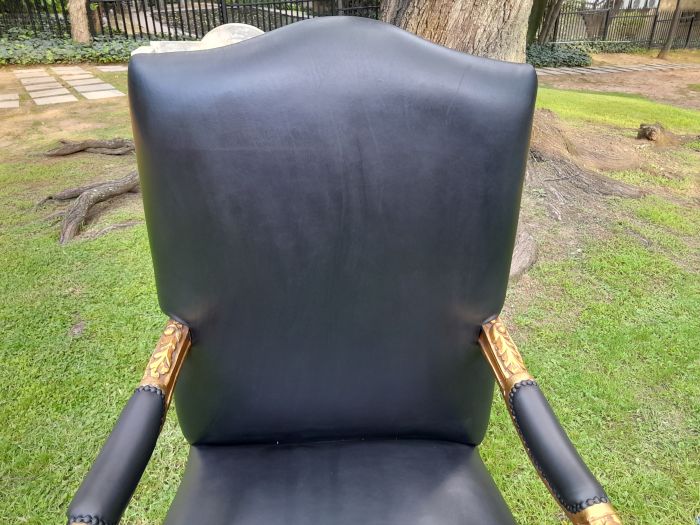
[[104, 147], [75, 216]]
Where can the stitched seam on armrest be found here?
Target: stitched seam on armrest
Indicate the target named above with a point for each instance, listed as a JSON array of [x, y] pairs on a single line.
[[157, 391], [87, 518], [573, 508]]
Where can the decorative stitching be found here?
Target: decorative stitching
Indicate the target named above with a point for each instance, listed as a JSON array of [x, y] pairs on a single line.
[[155, 390], [152, 389], [87, 518], [573, 508]]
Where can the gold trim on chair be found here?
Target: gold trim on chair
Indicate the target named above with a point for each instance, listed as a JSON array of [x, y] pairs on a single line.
[[509, 368], [164, 366], [503, 356], [601, 514]]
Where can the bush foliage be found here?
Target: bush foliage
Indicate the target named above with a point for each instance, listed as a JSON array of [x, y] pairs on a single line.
[[557, 55], [24, 49]]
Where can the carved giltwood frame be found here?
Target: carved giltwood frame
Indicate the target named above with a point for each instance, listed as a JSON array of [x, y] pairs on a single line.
[[164, 366], [509, 368]]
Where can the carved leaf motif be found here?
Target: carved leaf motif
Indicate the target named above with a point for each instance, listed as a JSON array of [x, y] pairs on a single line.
[[162, 358], [506, 350]]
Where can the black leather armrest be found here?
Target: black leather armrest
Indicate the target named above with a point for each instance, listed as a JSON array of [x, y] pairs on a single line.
[[559, 465], [112, 480], [108, 487]]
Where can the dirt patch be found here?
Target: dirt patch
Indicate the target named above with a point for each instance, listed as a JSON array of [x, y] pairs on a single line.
[[670, 87]]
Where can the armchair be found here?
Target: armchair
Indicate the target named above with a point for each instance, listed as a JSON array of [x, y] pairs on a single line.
[[332, 209]]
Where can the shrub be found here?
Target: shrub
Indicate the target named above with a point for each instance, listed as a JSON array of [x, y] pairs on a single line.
[[23, 49], [600, 46], [557, 55]]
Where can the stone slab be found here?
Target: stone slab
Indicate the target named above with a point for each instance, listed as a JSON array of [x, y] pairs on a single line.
[[113, 69], [9, 104], [9, 96], [95, 95], [85, 81], [94, 87], [28, 70], [42, 87], [31, 74], [49, 92], [80, 76], [68, 70], [58, 99], [35, 80]]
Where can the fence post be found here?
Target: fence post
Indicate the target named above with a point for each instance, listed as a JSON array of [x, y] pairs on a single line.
[[607, 24], [690, 29], [653, 28]]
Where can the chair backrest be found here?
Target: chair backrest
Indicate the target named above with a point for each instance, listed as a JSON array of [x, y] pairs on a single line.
[[332, 209]]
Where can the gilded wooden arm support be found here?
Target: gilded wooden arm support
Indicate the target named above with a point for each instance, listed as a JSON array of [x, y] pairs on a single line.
[[108, 487], [561, 468], [167, 358]]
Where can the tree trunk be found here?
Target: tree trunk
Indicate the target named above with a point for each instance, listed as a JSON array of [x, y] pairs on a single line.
[[491, 28], [79, 25], [539, 9], [672, 31], [550, 21]]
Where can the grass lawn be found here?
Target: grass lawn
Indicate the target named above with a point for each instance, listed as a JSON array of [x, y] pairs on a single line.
[[617, 109], [610, 331]]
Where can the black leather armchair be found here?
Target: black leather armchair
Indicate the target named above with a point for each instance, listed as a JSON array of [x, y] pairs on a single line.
[[332, 209]]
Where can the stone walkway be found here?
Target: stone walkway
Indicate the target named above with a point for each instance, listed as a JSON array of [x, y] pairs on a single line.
[[598, 70], [62, 84]]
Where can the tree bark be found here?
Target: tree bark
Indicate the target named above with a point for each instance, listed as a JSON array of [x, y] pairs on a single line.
[[550, 21], [79, 25], [490, 28], [105, 147], [672, 31], [537, 14], [75, 216]]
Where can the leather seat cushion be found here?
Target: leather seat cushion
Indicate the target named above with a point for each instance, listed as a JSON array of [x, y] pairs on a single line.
[[402, 482]]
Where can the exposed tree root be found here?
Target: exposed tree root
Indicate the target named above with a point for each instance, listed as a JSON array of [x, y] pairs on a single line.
[[110, 228], [76, 214], [105, 147]]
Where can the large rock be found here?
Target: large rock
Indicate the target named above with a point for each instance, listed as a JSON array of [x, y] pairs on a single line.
[[223, 35]]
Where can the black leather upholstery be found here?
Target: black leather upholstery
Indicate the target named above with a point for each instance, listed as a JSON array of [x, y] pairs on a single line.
[[331, 208], [551, 451], [402, 482], [107, 489]]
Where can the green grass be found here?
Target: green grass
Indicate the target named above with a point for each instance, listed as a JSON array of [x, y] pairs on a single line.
[[616, 109], [644, 179], [611, 335], [694, 87]]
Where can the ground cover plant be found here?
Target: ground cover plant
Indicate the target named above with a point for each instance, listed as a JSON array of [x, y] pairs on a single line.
[[606, 319]]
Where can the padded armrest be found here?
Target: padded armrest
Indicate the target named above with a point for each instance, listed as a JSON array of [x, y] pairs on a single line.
[[561, 468], [112, 480]]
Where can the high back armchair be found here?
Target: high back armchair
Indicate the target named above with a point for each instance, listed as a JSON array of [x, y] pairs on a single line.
[[331, 209]]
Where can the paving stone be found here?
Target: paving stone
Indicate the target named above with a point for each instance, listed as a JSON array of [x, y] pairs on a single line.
[[31, 74], [35, 80], [85, 81], [94, 87], [94, 95], [42, 87], [9, 96], [58, 99], [49, 92], [112, 69], [68, 70], [80, 76], [9, 104], [27, 70]]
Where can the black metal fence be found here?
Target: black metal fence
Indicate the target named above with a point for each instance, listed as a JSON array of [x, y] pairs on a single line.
[[34, 16], [647, 27], [172, 19]]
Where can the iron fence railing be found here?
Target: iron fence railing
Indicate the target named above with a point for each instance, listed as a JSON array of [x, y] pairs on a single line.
[[642, 26], [34, 16], [172, 19]]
